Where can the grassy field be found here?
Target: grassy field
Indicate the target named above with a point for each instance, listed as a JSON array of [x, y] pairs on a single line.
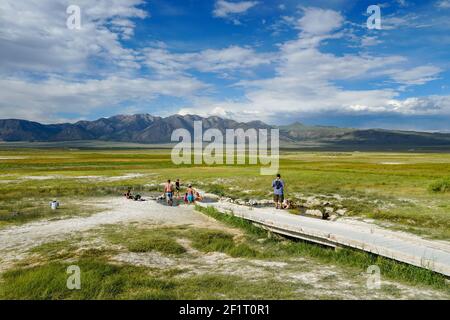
[[408, 191], [405, 191], [235, 260]]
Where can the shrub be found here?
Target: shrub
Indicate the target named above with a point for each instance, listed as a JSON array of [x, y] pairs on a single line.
[[440, 186]]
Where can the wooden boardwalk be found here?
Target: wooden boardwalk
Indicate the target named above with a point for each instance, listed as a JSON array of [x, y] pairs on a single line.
[[411, 249]]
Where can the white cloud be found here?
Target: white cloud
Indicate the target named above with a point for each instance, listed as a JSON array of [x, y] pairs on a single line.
[[443, 4], [306, 80], [34, 36], [430, 105], [228, 9], [221, 61], [417, 76], [317, 21], [79, 71], [43, 100], [282, 24], [410, 20], [82, 71], [268, 106], [368, 41]]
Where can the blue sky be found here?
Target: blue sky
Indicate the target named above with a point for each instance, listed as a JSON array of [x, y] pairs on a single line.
[[315, 62]]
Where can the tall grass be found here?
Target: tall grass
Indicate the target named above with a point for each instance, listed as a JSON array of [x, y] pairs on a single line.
[[218, 241], [441, 186], [103, 280], [145, 240]]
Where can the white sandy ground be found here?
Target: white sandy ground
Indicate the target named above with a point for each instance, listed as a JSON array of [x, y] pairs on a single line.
[[63, 177], [312, 278], [100, 178], [392, 163], [12, 158], [16, 241]]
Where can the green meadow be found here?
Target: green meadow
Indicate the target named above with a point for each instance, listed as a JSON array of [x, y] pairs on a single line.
[[408, 191], [401, 191]]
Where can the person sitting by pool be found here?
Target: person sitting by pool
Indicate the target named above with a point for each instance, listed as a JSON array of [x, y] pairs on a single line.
[[198, 196], [128, 194], [287, 204]]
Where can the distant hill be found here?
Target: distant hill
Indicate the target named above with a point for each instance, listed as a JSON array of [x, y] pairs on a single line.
[[148, 129], [366, 139], [299, 131], [140, 128]]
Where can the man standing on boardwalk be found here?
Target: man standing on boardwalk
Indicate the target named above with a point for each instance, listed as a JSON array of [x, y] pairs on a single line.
[[278, 191]]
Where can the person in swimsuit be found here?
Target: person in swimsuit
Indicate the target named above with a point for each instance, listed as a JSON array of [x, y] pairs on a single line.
[[190, 194], [168, 191], [198, 196]]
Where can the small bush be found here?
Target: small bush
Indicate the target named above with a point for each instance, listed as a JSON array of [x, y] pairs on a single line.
[[211, 240], [217, 189], [157, 243], [218, 241], [440, 186], [145, 240]]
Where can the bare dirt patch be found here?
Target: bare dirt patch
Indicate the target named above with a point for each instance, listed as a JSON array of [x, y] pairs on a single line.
[[16, 241], [314, 279]]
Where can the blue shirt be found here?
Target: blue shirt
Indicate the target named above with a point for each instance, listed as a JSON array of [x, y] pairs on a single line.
[[278, 191]]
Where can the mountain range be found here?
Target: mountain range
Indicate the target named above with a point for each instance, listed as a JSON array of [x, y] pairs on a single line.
[[148, 129]]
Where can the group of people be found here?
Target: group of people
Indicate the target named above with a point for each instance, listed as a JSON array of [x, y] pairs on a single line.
[[191, 195], [170, 190]]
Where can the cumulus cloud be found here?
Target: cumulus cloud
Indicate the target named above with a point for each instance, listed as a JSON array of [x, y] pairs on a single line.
[[220, 61], [317, 21], [443, 4], [368, 41], [44, 100], [417, 76], [47, 69], [228, 9], [430, 105], [306, 80], [79, 71], [410, 20], [34, 36]]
